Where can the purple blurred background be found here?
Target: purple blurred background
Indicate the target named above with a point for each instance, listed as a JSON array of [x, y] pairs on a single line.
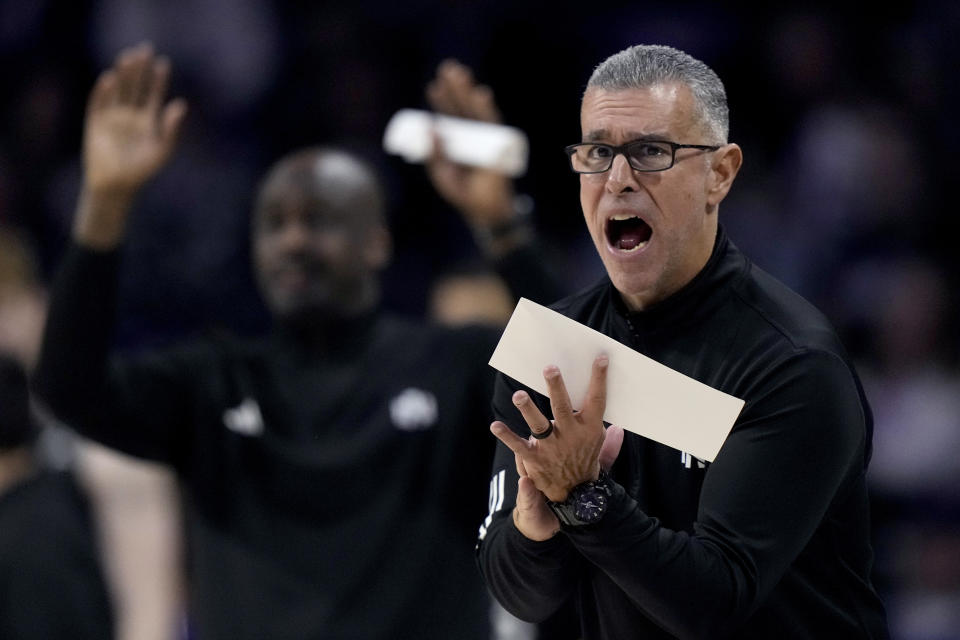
[[843, 115]]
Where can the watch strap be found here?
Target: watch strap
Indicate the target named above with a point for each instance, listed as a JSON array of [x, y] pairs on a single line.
[[586, 503]]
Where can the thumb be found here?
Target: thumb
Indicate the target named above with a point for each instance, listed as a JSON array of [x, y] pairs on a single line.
[[171, 121], [610, 449], [531, 516], [528, 496]]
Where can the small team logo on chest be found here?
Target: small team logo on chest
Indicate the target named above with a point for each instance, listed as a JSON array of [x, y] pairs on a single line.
[[245, 418], [688, 461], [413, 410]]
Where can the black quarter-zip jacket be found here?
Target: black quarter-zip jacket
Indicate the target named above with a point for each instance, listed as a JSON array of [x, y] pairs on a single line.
[[333, 487], [770, 540]]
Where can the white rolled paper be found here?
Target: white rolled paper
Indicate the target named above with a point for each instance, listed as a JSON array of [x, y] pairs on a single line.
[[480, 144]]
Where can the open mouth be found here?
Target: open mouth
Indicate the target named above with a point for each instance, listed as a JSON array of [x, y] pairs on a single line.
[[628, 233]]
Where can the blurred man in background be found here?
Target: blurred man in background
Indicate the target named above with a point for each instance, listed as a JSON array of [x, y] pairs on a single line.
[[335, 469]]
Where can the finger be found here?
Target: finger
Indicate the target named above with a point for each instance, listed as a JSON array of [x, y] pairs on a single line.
[[483, 105], [537, 422], [126, 76], [531, 516], [559, 398], [171, 122], [610, 449], [527, 494], [521, 469], [143, 74], [160, 79], [449, 87], [460, 85], [437, 97], [506, 435], [439, 92], [103, 92], [447, 174], [595, 403], [438, 156], [447, 177]]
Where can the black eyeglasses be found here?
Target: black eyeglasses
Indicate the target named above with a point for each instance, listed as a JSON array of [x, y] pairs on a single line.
[[642, 155]]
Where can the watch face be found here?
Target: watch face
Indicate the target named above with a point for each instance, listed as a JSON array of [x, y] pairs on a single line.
[[590, 505]]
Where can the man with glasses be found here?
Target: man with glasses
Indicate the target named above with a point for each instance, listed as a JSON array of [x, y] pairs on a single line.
[[769, 540]]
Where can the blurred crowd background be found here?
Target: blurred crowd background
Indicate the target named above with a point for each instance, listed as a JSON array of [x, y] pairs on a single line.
[[847, 119]]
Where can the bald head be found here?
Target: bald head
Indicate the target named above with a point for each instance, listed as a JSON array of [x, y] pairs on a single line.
[[332, 178], [319, 234]]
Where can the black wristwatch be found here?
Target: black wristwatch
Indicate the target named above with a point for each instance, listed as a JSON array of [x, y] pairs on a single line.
[[585, 504]]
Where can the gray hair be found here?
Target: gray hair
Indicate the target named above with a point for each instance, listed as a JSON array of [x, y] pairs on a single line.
[[645, 65]]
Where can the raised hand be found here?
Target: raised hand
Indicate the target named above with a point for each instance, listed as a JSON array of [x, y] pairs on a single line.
[[129, 134], [484, 197], [573, 452]]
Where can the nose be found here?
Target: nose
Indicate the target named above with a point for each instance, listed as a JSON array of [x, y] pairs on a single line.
[[621, 176], [293, 237]]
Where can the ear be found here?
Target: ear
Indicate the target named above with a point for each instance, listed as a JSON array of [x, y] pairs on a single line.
[[723, 170], [377, 247]]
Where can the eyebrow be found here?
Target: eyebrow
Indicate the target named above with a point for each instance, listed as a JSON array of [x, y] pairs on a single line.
[[599, 135]]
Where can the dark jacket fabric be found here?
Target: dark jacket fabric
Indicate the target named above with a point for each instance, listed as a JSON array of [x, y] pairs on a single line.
[[770, 540], [51, 578], [333, 485]]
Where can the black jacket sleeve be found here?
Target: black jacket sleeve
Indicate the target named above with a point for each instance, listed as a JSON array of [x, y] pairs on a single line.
[[797, 447], [140, 407], [530, 579]]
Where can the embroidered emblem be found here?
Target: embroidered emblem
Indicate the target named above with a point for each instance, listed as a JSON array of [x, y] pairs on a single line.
[[687, 460], [495, 502], [245, 418], [413, 410]]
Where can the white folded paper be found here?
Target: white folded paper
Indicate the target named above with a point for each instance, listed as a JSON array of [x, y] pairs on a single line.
[[481, 144], [643, 396]]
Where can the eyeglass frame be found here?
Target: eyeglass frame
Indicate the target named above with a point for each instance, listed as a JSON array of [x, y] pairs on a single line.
[[622, 150]]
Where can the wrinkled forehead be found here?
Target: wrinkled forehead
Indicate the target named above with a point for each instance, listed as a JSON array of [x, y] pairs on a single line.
[[663, 111]]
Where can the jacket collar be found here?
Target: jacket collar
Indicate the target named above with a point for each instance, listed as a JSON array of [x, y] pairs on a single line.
[[696, 301]]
